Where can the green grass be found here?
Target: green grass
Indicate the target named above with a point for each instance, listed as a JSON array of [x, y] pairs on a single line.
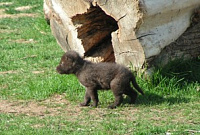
[[30, 52]]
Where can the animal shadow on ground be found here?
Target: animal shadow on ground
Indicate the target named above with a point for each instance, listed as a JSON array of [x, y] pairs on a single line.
[[179, 72], [154, 99]]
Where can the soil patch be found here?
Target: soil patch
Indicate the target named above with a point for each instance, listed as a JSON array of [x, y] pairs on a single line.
[[8, 72], [18, 15], [5, 15], [5, 3], [56, 105], [24, 41], [23, 8]]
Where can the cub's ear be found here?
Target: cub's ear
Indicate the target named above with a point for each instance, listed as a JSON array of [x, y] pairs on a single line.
[[65, 57], [69, 58]]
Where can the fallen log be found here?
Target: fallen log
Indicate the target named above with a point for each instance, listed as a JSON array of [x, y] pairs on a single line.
[[136, 32]]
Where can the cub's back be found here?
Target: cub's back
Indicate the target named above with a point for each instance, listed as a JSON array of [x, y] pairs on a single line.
[[110, 70]]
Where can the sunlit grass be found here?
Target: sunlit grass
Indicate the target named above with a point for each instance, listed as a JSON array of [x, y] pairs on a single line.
[[29, 55]]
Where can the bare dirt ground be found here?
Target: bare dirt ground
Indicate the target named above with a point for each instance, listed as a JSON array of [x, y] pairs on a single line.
[[4, 15], [50, 107], [56, 105]]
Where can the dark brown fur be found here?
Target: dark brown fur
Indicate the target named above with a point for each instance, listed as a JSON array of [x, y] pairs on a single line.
[[99, 76]]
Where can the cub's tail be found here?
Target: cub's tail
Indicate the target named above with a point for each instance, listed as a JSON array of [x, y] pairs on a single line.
[[136, 85]]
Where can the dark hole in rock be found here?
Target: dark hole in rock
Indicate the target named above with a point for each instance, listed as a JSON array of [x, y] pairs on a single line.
[[94, 29]]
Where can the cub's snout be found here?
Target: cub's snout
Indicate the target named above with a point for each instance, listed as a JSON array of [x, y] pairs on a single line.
[[59, 69]]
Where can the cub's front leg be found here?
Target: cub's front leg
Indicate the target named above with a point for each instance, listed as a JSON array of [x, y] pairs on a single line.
[[87, 99], [91, 93]]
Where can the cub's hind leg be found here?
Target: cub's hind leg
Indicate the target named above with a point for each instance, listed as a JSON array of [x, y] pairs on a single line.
[[118, 101], [131, 93], [117, 91]]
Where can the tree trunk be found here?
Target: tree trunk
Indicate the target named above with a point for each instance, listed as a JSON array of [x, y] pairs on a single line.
[[126, 31], [186, 46]]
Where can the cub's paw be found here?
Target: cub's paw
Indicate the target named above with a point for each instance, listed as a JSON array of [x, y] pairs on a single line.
[[83, 104], [111, 107]]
